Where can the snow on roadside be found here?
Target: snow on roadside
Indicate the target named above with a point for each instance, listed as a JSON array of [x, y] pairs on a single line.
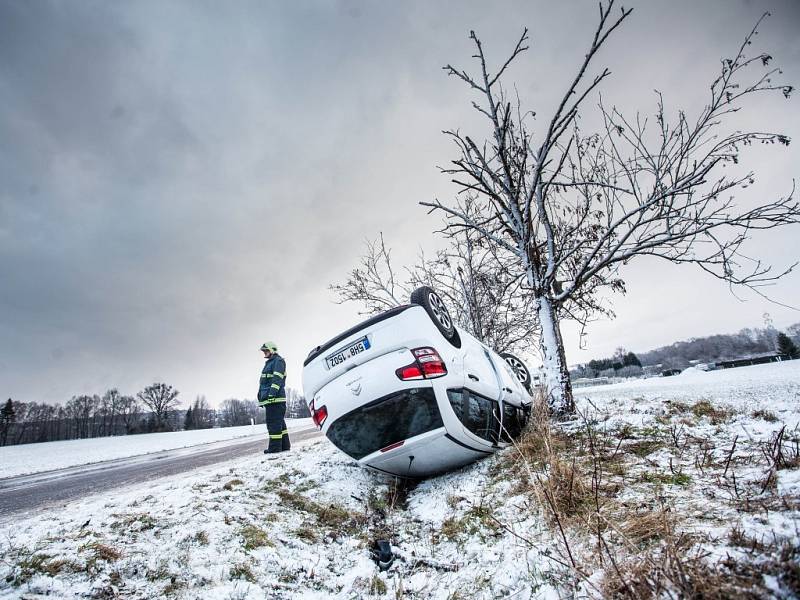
[[299, 526], [303, 525], [25, 459]]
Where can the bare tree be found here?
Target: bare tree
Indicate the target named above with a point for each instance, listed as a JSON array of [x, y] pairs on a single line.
[[80, 410], [202, 415], [794, 332], [572, 208], [482, 294], [374, 282], [129, 410], [234, 412], [107, 411], [296, 405], [160, 398], [483, 291]]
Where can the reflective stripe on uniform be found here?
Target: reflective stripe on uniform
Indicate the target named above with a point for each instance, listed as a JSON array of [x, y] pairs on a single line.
[[276, 386], [285, 432], [271, 401], [276, 437], [279, 374], [263, 375]]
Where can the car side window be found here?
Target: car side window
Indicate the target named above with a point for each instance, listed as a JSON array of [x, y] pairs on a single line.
[[513, 422], [478, 414]]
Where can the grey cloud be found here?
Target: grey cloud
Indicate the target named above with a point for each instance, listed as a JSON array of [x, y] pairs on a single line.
[[185, 179]]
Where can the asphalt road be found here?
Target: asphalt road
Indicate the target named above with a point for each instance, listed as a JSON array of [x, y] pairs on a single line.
[[32, 493]]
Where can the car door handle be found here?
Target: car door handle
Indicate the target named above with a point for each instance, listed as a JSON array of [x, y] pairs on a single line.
[[473, 377]]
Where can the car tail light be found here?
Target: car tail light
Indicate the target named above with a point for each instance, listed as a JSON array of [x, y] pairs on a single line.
[[318, 415], [427, 365]]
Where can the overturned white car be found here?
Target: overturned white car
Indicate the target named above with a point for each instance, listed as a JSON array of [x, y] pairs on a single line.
[[409, 393]]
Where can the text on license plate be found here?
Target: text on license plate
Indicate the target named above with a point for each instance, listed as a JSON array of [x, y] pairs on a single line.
[[345, 353]]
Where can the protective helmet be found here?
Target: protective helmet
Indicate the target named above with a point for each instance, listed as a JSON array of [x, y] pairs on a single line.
[[271, 346]]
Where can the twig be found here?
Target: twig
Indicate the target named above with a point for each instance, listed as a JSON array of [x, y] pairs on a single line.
[[730, 456]]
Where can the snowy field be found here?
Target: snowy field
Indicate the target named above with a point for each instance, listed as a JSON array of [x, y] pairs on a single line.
[[35, 458], [772, 385], [682, 485]]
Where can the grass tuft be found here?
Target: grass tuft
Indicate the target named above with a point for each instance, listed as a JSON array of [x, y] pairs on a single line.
[[37, 563], [765, 415], [681, 479], [717, 416], [334, 518], [201, 537], [254, 537], [134, 522], [242, 571]]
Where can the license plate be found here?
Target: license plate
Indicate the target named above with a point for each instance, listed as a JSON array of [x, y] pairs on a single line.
[[347, 353]]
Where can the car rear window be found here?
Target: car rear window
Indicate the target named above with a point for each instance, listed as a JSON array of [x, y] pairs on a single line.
[[388, 420]]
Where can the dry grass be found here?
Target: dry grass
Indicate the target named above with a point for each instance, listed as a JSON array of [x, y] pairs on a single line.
[[738, 537], [254, 537], [37, 563], [307, 532], [540, 442], [704, 408], [100, 552], [478, 519], [201, 537], [672, 569], [575, 474], [242, 571], [681, 479], [643, 528], [765, 415], [566, 490], [642, 448], [134, 522], [780, 453], [334, 518]]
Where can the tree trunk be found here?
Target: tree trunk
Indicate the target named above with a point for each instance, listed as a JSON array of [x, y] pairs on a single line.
[[559, 387]]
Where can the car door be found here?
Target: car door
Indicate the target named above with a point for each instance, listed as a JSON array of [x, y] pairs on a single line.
[[483, 392], [480, 374]]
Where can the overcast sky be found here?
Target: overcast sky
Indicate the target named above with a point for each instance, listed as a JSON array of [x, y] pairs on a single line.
[[181, 181]]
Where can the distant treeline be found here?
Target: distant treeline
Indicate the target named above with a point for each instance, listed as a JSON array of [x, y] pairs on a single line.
[[156, 408], [680, 355], [715, 348]]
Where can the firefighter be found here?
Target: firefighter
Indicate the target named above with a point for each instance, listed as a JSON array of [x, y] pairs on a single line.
[[272, 396]]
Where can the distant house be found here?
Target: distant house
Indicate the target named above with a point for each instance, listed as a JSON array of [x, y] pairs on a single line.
[[755, 359], [703, 366]]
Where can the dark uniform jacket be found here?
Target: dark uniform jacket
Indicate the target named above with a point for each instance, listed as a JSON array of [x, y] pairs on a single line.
[[272, 386]]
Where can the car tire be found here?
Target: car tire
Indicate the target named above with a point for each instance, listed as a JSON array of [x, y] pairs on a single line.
[[432, 302], [521, 371]]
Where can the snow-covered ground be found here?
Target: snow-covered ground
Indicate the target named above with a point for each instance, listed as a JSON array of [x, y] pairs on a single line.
[[777, 384], [35, 458], [680, 483]]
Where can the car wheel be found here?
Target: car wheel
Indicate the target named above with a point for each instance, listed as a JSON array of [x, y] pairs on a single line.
[[518, 367], [433, 304]]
